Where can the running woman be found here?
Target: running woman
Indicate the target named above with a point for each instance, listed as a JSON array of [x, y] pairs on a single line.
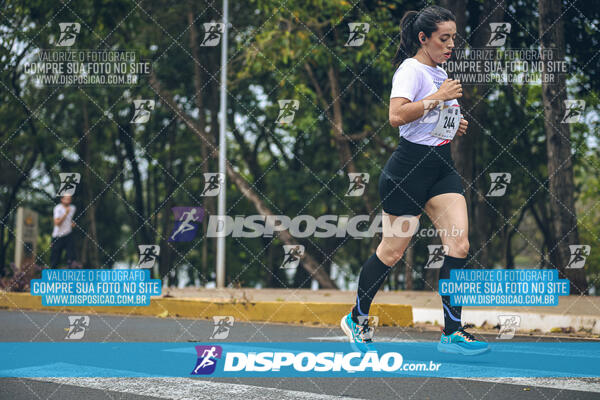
[[420, 175]]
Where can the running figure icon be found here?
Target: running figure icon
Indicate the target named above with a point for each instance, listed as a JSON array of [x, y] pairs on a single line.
[[187, 217], [143, 110], [68, 33], [436, 257], [68, 183], [147, 255], [358, 182], [213, 33], [287, 110], [78, 325], [207, 359], [212, 184], [499, 184], [186, 223], [579, 253], [292, 255], [499, 33], [358, 34]]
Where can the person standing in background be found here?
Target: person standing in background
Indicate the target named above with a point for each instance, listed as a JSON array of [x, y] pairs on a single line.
[[62, 234]]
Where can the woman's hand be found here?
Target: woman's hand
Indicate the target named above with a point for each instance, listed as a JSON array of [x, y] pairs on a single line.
[[449, 90], [462, 127]]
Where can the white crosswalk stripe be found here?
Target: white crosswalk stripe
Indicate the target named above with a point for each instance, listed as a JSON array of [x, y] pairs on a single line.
[[187, 389], [581, 384]]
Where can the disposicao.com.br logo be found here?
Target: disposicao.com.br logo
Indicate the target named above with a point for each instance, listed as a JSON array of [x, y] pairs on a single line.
[[322, 226], [233, 360], [322, 362]]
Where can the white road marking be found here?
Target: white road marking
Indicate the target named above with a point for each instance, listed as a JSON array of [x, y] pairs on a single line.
[[198, 388], [187, 389], [580, 384], [68, 369], [386, 339]]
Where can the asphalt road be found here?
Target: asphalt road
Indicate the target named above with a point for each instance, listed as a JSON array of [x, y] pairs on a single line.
[[25, 326]]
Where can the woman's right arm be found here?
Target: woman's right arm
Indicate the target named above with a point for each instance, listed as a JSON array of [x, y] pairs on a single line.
[[403, 111]]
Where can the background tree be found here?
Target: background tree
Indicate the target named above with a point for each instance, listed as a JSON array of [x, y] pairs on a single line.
[[132, 175]]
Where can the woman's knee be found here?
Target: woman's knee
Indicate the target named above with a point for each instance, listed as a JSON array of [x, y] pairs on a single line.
[[459, 247], [389, 254]]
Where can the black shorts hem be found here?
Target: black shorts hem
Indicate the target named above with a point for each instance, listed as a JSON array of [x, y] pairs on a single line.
[[413, 175]]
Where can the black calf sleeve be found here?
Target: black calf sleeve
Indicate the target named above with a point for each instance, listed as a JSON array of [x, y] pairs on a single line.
[[452, 314], [372, 275]]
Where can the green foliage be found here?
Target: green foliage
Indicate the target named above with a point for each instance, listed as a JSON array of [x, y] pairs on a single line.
[[295, 169]]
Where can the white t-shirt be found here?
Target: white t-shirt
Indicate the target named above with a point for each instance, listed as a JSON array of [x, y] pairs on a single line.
[[64, 228], [414, 80]]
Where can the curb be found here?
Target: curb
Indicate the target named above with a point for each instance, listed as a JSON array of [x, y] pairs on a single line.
[[544, 322], [268, 311]]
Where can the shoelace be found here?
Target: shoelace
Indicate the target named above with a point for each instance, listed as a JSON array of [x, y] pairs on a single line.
[[467, 335], [364, 331]]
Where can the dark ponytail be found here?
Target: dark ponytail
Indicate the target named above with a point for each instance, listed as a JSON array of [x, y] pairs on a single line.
[[414, 22]]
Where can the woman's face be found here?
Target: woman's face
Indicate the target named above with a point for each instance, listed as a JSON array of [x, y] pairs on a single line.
[[441, 42]]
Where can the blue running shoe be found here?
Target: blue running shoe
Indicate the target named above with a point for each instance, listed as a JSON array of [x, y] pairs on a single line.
[[360, 335], [462, 342]]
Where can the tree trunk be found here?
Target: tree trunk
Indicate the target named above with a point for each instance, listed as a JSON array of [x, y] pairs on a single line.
[[543, 223], [89, 252], [307, 261], [140, 211], [558, 148], [167, 253], [509, 259], [341, 140], [8, 209], [198, 99], [22, 178], [465, 148]]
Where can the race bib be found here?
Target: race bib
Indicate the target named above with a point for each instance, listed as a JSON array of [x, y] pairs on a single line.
[[447, 122]]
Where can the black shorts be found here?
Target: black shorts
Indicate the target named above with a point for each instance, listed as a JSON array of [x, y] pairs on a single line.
[[414, 174]]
